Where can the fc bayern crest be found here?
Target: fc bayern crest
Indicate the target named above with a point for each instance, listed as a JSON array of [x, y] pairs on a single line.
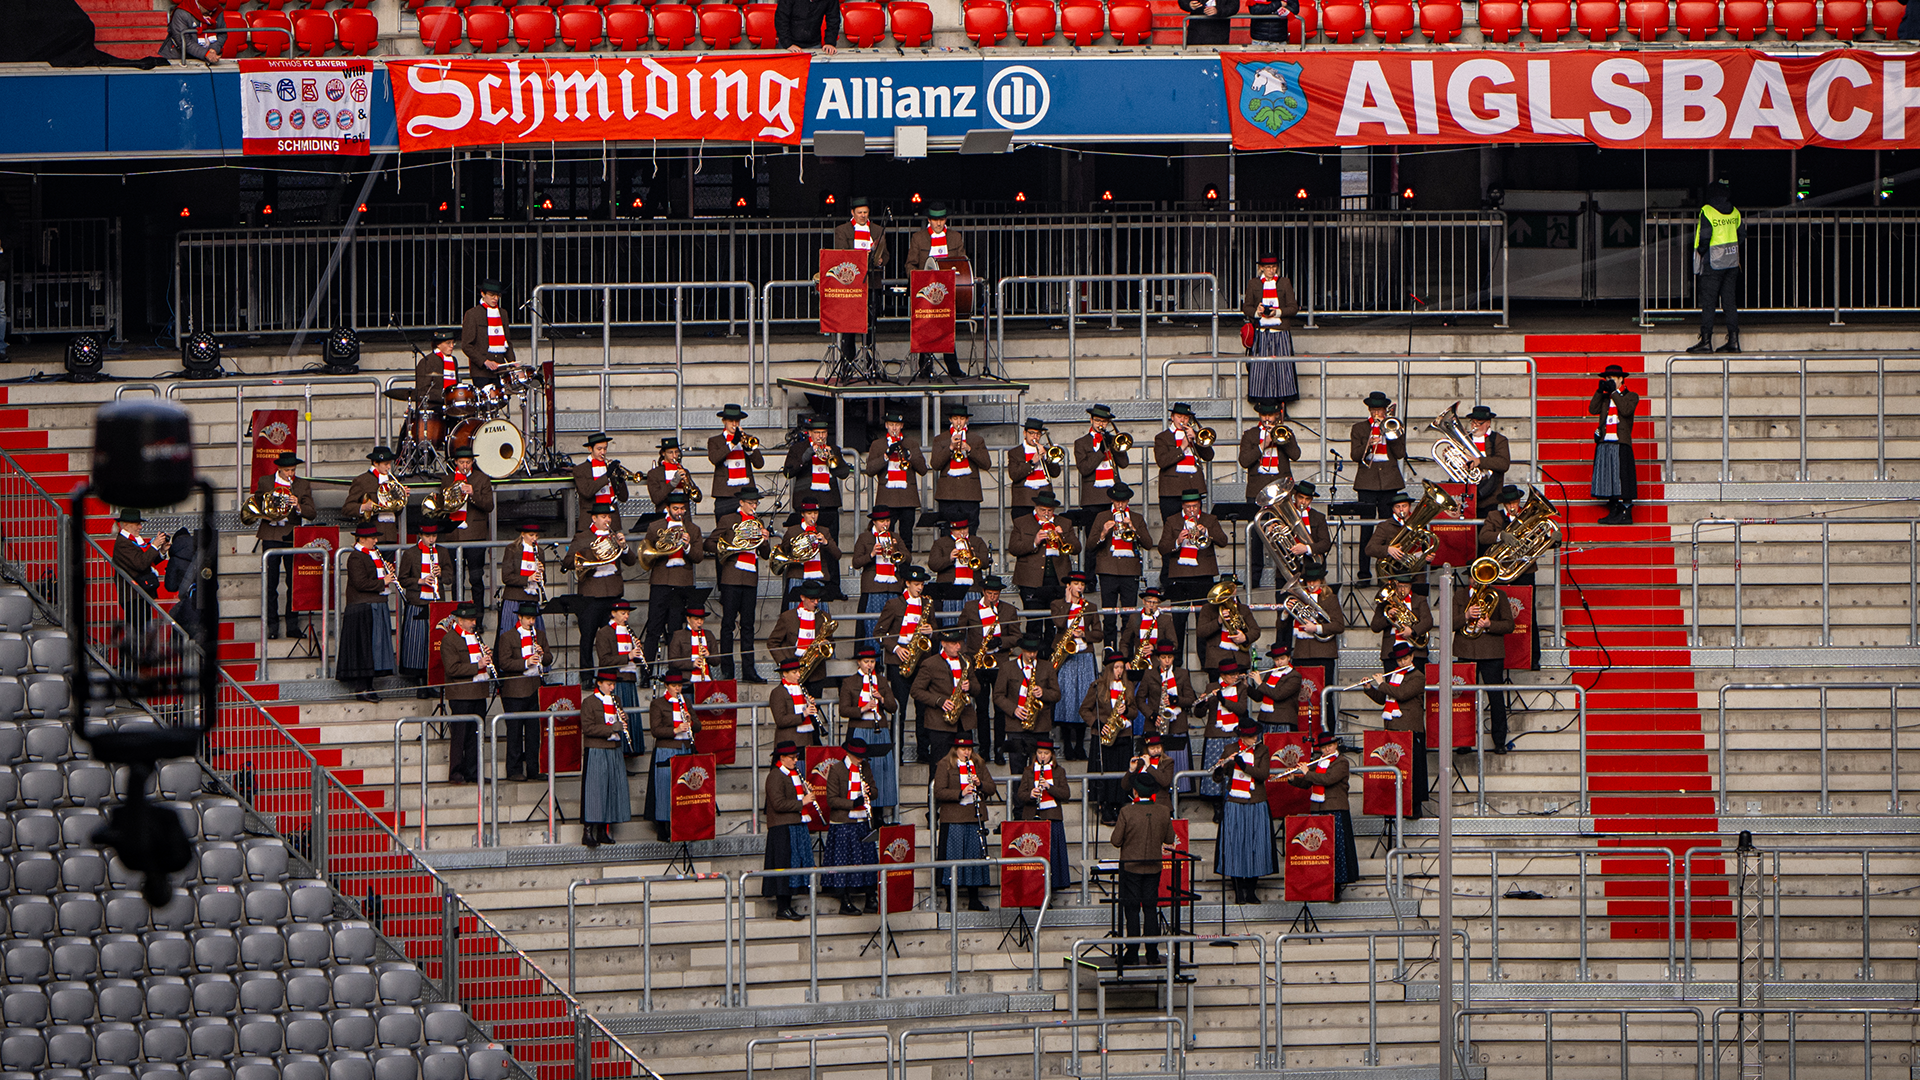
[[1311, 839], [1270, 95]]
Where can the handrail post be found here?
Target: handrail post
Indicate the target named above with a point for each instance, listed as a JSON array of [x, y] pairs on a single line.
[[317, 825], [450, 942]]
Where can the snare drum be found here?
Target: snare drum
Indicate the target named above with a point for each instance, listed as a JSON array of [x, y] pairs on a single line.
[[463, 401], [515, 379], [492, 399], [424, 424]]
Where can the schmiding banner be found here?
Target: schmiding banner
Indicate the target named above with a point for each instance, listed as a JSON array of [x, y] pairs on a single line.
[[305, 106]]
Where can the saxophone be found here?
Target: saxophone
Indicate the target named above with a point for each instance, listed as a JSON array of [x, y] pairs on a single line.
[[1143, 653], [917, 646], [1114, 724], [983, 657], [1066, 646], [956, 702], [820, 648]]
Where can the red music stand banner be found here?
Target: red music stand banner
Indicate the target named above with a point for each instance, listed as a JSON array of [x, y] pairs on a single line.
[[1184, 867], [1286, 750], [439, 615], [1520, 642], [275, 431], [1456, 542], [691, 809], [817, 758], [1395, 750], [717, 726], [1025, 886], [566, 729], [933, 311], [310, 582], [843, 291], [1313, 682], [896, 846], [1465, 716], [1310, 858]]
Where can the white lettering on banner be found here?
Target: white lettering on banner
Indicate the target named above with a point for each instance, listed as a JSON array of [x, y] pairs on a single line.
[[1820, 103], [658, 79], [1368, 83], [736, 83], [1540, 103], [910, 102], [529, 81], [578, 83], [1766, 103], [776, 103], [1679, 95], [1426, 106], [420, 125], [1607, 87], [1506, 109], [485, 88], [1896, 97]]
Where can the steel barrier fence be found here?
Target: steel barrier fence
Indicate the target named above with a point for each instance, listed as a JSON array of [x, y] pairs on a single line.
[[1903, 862], [1779, 735], [66, 278], [1401, 975], [1464, 1023], [646, 884], [1836, 260], [1901, 1064], [1855, 555], [812, 1042], [1174, 1028], [1169, 969]]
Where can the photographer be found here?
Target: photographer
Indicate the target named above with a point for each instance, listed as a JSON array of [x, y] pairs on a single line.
[[1613, 475]]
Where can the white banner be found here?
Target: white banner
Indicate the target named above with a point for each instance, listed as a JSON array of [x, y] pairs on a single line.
[[296, 106]]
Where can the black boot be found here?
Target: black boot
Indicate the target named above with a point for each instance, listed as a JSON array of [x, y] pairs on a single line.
[[1733, 342], [1625, 515], [1129, 954], [848, 906], [1253, 891], [273, 627], [786, 912], [1705, 344], [974, 903], [591, 836], [751, 675], [954, 370]]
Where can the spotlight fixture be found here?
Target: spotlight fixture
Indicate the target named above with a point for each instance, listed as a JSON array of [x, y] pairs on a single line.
[[200, 356], [341, 352], [84, 359]]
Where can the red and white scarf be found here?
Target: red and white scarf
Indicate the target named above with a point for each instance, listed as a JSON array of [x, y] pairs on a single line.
[[1376, 438], [496, 330], [856, 788], [967, 780], [1318, 793], [748, 560], [623, 644], [803, 637], [1269, 455], [962, 572], [597, 469], [1611, 433], [429, 561], [610, 714], [1389, 707], [1224, 717], [1050, 549], [882, 562], [956, 670], [814, 569], [697, 640], [379, 564], [1103, 470], [1036, 465], [529, 559], [1148, 630], [1122, 548], [1116, 693], [961, 467], [869, 693], [737, 475], [1226, 639], [1480, 441], [1043, 775], [910, 618], [1271, 680], [989, 615], [820, 477], [1241, 787], [682, 719], [1189, 554], [1169, 687], [862, 237], [473, 655], [1075, 610], [449, 371], [1270, 298], [798, 695], [1187, 464], [799, 792], [896, 467], [936, 243], [528, 643]]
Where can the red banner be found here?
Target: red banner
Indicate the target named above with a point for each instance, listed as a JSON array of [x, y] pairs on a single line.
[[1313, 682], [1182, 866], [1520, 642], [843, 291], [483, 101], [716, 734], [817, 758], [275, 431], [566, 729], [691, 809], [1684, 99], [1395, 750], [931, 327], [439, 617], [1465, 717], [1286, 749], [308, 581], [1025, 886], [896, 846], [1456, 541], [1310, 858]]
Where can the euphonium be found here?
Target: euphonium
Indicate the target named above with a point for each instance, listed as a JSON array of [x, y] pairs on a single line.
[[1528, 535], [601, 550], [744, 536], [1225, 597], [1399, 612], [1454, 450], [1300, 606], [671, 540], [270, 505], [1415, 540], [1279, 526], [389, 498]]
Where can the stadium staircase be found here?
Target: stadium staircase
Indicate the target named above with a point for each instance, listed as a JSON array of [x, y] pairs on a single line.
[[129, 29]]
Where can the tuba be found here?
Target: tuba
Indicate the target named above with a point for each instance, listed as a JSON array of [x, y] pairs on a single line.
[[269, 505], [744, 536], [389, 498], [601, 551], [1454, 449], [1416, 541], [672, 540]]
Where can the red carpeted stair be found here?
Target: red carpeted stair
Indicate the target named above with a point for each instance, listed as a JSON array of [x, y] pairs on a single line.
[[1648, 768], [130, 29]]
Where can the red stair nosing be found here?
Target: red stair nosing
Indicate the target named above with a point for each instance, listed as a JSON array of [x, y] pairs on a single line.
[[1647, 742]]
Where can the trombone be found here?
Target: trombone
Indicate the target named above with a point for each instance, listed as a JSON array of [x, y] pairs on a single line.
[[1054, 455]]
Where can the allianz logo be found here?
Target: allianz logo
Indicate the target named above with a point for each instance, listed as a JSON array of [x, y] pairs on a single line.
[[1017, 98]]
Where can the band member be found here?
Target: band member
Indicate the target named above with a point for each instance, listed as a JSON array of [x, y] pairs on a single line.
[[670, 583], [850, 823], [1162, 701], [366, 622], [468, 665], [927, 249], [1244, 850], [868, 702], [1038, 791], [599, 582], [1024, 692], [738, 574], [790, 805], [1221, 641], [671, 718], [880, 558], [961, 788], [1480, 632], [437, 372], [1100, 463], [1495, 519], [690, 650], [1401, 692], [817, 467], [1267, 452], [960, 559], [361, 495], [1377, 450], [1177, 454], [616, 648], [1147, 629], [467, 522], [483, 337], [1143, 835], [523, 576], [959, 461], [733, 462], [796, 714], [604, 798], [1385, 542], [598, 482], [1107, 710], [1614, 478], [1269, 304], [1119, 539], [1043, 548], [802, 629], [1188, 565], [896, 463], [1029, 473], [861, 234], [1494, 456], [1153, 761], [1310, 535], [1326, 782], [1276, 692], [907, 616], [1400, 614], [821, 565], [422, 582], [1079, 664], [940, 686], [670, 474], [520, 655], [1219, 714], [290, 498], [1317, 644], [989, 622]]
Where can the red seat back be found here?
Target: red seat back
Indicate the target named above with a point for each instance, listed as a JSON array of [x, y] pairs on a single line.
[[760, 32], [1130, 23], [864, 24], [1886, 17], [1647, 19], [267, 38], [1845, 19], [986, 22], [1033, 24], [439, 28], [1499, 19], [1698, 18], [1794, 19], [1306, 26], [231, 45], [1548, 19], [534, 27], [1598, 19], [720, 26], [488, 27], [581, 27], [1392, 22], [674, 26], [312, 30], [1083, 22], [912, 23], [1746, 19], [1441, 22], [357, 30], [1344, 22]]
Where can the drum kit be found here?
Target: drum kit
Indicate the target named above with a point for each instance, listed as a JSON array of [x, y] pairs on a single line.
[[470, 415]]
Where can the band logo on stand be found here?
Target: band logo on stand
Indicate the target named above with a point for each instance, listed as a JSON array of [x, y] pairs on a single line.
[[843, 291], [934, 308], [693, 788]]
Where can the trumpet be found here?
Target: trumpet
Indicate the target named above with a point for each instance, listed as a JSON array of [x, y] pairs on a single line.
[[963, 552], [750, 443], [617, 471], [1195, 537], [683, 481], [1391, 427], [1276, 435], [1062, 539], [1124, 532]]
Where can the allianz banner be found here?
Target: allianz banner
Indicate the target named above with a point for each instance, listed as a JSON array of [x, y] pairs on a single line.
[[1683, 99]]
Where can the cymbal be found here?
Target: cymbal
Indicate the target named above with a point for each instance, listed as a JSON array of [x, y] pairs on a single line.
[[398, 393]]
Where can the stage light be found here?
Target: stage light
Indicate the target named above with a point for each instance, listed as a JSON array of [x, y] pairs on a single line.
[[1020, 196], [267, 210], [443, 206], [186, 212], [84, 359], [1106, 196], [740, 203], [1301, 194], [363, 208], [546, 204], [341, 352], [1407, 194], [1212, 197], [828, 199], [638, 203], [200, 356], [916, 199]]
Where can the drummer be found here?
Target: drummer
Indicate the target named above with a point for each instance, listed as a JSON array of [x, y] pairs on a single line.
[[483, 336], [469, 524], [437, 372]]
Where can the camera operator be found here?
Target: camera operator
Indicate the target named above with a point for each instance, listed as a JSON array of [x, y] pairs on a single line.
[[1613, 475]]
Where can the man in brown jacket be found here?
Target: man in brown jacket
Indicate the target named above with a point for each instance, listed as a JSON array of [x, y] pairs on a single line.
[[1387, 542], [733, 462], [943, 716], [470, 524], [907, 616], [1148, 628], [597, 482], [1029, 473], [521, 656], [1188, 564], [860, 233], [1495, 456], [1143, 834], [795, 714], [956, 480], [1038, 790], [483, 337], [670, 589], [669, 474], [281, 488], [961, 788], [1180, 458], [436, 373], [739, 577], [822, 566], [882, 560], [1317, 644], [1376, 450], [896, 462], [1401, 692], [1024, 693], [1400, 614], [1486, 646], [816, 467], [800, 628], [599, 585], [1308, 534], [993, 623], [1217, 642], [1268, 450], [464, 658], [960, 560], [361, 494], [1100, 463], [1120, 539], [1042, 547]]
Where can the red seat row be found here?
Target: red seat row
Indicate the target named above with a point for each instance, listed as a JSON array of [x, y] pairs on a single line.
[[628, 27], [302, 30], [277, 5], [1345, 21], [1081, 22]]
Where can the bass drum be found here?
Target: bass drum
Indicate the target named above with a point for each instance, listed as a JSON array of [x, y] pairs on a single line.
[[963, 285], [498, 448]]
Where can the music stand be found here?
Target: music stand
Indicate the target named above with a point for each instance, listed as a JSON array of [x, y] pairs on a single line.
[[1019, 931], [1303, 921], [682, 858]]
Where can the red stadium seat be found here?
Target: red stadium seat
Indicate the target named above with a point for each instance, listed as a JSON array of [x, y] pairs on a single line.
[[986, 22], [1083, 22], [1845, 19], [1307, 26], [1130, 23], [1499, 19], [1793, 19], [534, 27], [1699, 18], [312, 31], [1647, 18], [1548, 19], [1598, 19], [1746, 19], [911, 22], [1441, 22], [674, 26], [488, 27], [581, 27], [1344, 22], [1392, 22], [272, 30], [439, 28], [720, 26], [863, 23], [231, 45], [1034, 23], [358, 31], [760, 32], [627, 27], [1886, 17]]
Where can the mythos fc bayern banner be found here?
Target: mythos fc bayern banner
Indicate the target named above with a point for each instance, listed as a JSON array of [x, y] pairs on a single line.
[[305, 106], [1684, 99], [753, 97]]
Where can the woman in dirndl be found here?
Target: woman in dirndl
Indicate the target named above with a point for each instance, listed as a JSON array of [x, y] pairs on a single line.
[[1076, 674], [1219, 718], [790, 805], [1244, 851], [850, 828], [961, 788], [604, 799], [1269, 306], [671, 719], [366, 622]]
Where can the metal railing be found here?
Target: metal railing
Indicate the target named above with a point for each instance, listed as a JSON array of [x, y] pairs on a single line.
[[1778, 735], [646, 884], [1464, 1024], [1174, 1029], [812, 1041], [490, 769], [1854, 552], [66, 278], [1832, 259], [1901, 858], [1793, 1057], [1170, 970], [1211, 311], [399, 771], [270, 562], [1402, 974]]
